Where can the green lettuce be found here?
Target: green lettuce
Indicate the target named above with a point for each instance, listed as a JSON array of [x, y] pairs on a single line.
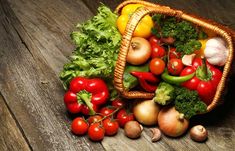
[[97, 44]]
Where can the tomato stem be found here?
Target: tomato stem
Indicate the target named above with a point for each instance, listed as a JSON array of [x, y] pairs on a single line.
[[117, 109]]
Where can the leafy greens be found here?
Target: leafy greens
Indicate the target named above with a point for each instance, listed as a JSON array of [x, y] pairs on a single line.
[[97, 44], [184, 33]]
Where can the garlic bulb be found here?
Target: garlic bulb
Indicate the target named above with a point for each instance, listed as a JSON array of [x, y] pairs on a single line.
[[216, 51]]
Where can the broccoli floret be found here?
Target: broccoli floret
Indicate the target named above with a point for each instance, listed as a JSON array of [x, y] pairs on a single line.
[[188, 102], [164, 94]]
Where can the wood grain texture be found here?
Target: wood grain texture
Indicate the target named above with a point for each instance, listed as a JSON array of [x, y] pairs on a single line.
[[48, 24], [34, 45], [10, 136], [32, 88]]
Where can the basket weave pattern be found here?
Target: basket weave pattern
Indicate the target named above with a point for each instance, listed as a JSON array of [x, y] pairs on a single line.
[[150, 8]]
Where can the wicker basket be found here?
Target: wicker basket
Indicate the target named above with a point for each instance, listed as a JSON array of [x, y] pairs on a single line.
[[148, 8]]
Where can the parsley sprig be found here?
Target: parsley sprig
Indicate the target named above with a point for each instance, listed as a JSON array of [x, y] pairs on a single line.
[[185, 34]]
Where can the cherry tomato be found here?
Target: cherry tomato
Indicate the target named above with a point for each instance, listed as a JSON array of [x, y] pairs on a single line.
[[154, 40], [118, 103], [110, 126], [94, 118], [123, 117], [174, 54], [197, 62], [157, 51], [79, 126], [96, 132], [157, 66], [192, 83], [175, 66], [107, 111]]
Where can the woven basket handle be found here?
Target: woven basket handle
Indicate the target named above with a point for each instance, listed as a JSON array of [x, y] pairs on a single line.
[[223, 31], [233, 35], [125, 44]]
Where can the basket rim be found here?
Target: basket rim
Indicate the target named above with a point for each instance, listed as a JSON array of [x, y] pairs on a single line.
[[148, 8]]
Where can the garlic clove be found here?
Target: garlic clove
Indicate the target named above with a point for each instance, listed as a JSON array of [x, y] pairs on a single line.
[[188, 59], [156, 134]]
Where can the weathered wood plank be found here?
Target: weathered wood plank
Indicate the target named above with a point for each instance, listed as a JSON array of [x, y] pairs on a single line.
[[48, 24], [221, 11], [32, 89], [11, 138]]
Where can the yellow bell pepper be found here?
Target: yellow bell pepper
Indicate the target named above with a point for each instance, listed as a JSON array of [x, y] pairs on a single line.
[[200, 52], [143, 28]]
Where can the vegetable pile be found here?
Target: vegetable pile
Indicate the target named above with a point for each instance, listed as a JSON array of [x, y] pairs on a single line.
[[174, 59]]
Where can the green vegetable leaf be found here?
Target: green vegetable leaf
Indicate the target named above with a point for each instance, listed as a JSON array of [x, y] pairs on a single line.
[[97, 44], [184, 33], [189, 103]]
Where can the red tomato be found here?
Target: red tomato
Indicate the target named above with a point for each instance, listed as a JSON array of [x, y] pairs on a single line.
[[107, 111], [174, 54], [123, 117], [94, 118], [157, 66], [96, 132], [197, 62], [110, 126], [118, 103], [175, 66], [157, 51], [154, 40], [79, 126], [192, 83]]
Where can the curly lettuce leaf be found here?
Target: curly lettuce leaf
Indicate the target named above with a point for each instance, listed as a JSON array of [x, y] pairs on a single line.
[[97, 44]]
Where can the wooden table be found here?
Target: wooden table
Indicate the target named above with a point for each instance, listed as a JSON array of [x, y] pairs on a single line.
[[34, 45]]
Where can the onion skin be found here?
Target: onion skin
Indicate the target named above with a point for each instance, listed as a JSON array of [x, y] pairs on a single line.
[[139, 51], [198, 133], [146, 112], [171, 122]]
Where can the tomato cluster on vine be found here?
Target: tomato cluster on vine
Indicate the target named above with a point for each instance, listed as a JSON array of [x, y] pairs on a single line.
[[106, 122]]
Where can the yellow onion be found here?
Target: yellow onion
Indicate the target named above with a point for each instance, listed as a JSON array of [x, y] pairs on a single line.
[[171, 122], [146, 112]]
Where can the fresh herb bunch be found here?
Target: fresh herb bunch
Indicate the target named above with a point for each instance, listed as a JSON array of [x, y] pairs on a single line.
[[188, 102], [184, 33], [97, 44]]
